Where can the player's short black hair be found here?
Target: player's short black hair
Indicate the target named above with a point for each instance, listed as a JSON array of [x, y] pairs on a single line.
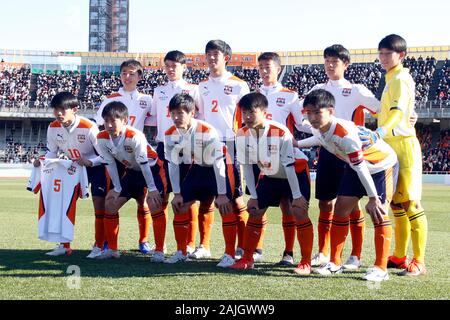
[[270, 56], [319, 99], [337, 51], [253, 100], [64, 100], [182, 101], [115, 110], [220, 45], [393, 42], [175, 56], [132, 63]]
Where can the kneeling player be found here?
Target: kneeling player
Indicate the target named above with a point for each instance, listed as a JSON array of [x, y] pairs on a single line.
[[284, 172], [371, 169], [195, 146], [122, 143]]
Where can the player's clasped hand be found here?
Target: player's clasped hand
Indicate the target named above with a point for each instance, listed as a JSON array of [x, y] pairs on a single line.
[[177, 202], [376, 210], [84, 162], [154, 199], [300, 206], [252, 206], [223, 204]]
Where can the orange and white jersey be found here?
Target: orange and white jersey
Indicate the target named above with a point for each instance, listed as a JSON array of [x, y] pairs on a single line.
[[200, 144], [284, 105], [130, 148], [77, 141], [351, 100], [139, 106], [160, 104], [343, 140], [272, 151], [219, 98], [61, 183]]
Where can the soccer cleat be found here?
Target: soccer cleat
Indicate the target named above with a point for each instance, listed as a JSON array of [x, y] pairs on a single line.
[[190, 250], [110, 254], [376, 274], [258, 257], [96, 251], [398, 263], [157, 257], [415, 268], [176, 257], [105, 246], [239, 253], [287, 260], [153, 248], [226, 261], [303, 269], [328, 269], [319, 259], [144, 247], [242, 264], [200, 253], [352, 263], [60, 251]]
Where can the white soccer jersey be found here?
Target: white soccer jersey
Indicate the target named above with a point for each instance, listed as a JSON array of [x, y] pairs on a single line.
[[272, 151], [351, 100], [61, 183], [284, 106], [342, 140], [78, 141], [138, 104], [219, 98], [200, 145], [160, 104], [132, 149]]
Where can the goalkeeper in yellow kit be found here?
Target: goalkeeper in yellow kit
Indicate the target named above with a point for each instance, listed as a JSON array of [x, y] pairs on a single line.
[[397, 104]]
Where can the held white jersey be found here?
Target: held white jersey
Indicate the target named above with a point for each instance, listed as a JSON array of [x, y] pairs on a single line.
[[284, 105], [79, 141], [139, 106], [351, 100], [272, 151], [160, 104], [132, 149], [200, 145], [343, 140], [61, 183], [219, 98]]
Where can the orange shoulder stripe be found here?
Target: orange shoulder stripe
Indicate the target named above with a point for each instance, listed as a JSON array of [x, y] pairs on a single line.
[[236, 78], [340, 131], [275, 131], [86, 124], [55, 124], [170, 131], [129, 133], [103, 135], [114, 95], [202, 128]]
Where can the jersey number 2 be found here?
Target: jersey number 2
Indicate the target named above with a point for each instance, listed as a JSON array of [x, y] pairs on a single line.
[[215, 106]]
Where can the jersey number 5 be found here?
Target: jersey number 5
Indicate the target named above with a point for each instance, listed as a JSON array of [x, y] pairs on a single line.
[[215, 106], [57, 185]]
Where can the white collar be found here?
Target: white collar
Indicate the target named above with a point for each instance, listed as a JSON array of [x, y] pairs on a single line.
[[338, 83], [129, 94], [225, 76], [273, 88]]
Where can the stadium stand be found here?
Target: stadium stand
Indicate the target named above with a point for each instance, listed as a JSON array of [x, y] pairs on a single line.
[[15, 86], [443, 89]]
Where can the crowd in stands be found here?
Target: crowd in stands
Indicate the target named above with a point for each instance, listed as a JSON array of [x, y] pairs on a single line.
[[422, 71], [49, 84], [251, 76], [443, 89], [435, 157], [303, 78], [17, 152], [14, 86], [99, 86]]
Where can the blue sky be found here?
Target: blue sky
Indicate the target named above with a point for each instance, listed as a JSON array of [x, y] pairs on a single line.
[[247, 25]]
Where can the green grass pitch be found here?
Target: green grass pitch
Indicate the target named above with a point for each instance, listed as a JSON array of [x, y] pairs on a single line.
[[27, 273]]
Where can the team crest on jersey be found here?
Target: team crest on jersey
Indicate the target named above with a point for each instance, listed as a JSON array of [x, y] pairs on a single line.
[[346, 92], [128, 149], [272, 148], [81, 138], [143, 104], [280, 102], [72, 170], [228, 90]]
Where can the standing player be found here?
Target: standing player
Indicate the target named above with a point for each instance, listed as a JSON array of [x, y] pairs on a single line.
[[196, 145], [219, 98], [284, 176], [351, 99], [139, 106], [174, 66], [143, 172], [370, 170], [397, 106], [76, 137], [284, 107]]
